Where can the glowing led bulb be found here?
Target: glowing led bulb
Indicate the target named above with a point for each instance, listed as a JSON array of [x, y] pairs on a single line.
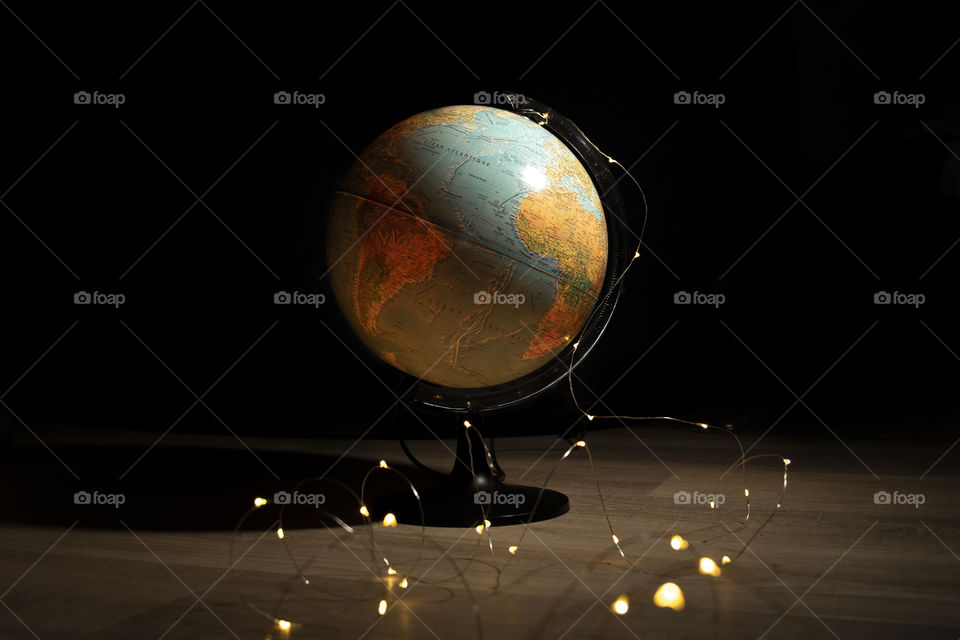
[[382, 607], [389, 520], [363, 510], [725, 560], [284, 625], [487, 523], [669, 595], [467, 424], [280, 533], [746, 492], [479, 529], [786, 461], [636, 254], [704, 425], [403, 583], [581, 443], [713, 505], [512, 549], [616, 540], [391, 571], [621, 605], [590, 417], [708, 567], [677, 543], [576, 344], [259, 502], [383, 464]]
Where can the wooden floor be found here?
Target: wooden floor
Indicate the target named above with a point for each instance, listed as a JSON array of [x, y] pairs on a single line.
[[830, 563]]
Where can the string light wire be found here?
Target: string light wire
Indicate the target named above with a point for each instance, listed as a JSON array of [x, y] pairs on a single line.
[[668, 594]]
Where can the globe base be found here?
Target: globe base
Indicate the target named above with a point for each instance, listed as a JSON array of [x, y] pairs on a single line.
[[462, 501]]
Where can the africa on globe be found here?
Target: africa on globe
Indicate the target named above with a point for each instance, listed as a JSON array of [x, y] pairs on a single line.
[[467, 246]]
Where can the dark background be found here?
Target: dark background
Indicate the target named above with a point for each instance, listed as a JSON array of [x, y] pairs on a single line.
[[112, 206]]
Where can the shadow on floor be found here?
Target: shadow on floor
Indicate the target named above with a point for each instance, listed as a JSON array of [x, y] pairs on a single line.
[[179, 488]]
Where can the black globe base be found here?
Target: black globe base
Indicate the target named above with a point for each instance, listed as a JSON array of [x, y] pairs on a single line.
[[453, 505], [461, 501]]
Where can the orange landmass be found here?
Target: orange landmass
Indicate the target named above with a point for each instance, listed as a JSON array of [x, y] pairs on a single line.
[[552, 223], [399, 248]]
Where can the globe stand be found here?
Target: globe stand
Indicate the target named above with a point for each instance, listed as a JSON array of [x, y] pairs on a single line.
[[461, 501], [475, 490]]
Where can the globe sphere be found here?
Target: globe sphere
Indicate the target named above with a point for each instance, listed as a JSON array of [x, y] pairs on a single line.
[[467, 246]]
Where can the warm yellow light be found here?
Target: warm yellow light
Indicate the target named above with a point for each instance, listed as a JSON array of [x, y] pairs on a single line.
[[746, 492], [479, 529], [590, 417], [709, 568], [389, 520], [669, 595], [616, 540], [391, 571], [576, 344], [725, 560], [512, 549], [403, 583], [581, 443], [636, 254], [467, 424], [259, 502], [704, 425], [621, 605], [283, 625], [382, 607], [280, 533], [677, 543], [363, 510], [383, 464], [786, 461], [713, 505]]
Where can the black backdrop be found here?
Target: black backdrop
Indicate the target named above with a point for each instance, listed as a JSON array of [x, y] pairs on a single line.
[[106, 199]]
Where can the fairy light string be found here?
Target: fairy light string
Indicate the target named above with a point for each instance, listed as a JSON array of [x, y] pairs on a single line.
[[484, 526], [514, 548], [669, 594], [742, 459], [403, 580]]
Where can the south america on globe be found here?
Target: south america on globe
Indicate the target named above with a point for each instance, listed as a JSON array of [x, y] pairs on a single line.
[[467, 246]]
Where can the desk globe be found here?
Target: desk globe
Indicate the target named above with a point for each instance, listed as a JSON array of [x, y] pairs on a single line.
[[470, 247]]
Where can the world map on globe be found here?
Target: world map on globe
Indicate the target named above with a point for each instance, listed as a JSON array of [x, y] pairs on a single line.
[[467, 246]]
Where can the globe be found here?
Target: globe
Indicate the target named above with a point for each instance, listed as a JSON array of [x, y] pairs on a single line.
[[467, 246]]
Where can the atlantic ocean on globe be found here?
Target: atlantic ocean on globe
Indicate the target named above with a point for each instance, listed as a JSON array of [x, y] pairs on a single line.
[[467, 246]]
